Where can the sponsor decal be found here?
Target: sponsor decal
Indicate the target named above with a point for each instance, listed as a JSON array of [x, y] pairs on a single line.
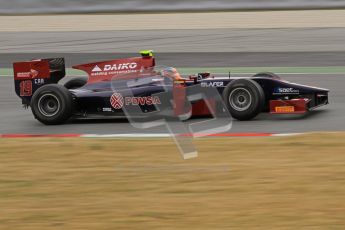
[[114, 69], [279, 90], [142, 100], [122, 66], [117, 101], [31, 70], [32, 74], [24, 75], [285, 109], [106, 109], [39, 81], [25, 88], [95, 74], [96, 69], [212, 84]]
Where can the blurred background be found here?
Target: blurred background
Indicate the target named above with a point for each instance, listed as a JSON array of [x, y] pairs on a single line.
[[82, 6]]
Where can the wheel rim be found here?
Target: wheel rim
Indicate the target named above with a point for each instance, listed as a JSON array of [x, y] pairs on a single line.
[[48, 105], [240, 99]]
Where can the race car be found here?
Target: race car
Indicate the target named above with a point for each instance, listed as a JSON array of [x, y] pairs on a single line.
[[106, 90]]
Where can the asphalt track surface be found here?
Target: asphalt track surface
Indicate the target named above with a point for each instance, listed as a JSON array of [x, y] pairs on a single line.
[[197, 40], [184, 48], [267, 47]]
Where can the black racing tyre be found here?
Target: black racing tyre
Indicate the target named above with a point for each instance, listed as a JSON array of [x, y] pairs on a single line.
[[75, 83], [52, 104], [267, 74], [244, 98]]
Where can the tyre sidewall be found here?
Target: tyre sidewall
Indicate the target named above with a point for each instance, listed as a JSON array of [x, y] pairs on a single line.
[[65, 100], [257, 95]]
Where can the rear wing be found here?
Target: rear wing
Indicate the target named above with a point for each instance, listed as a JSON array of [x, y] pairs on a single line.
[[106, 70], [31, 75]]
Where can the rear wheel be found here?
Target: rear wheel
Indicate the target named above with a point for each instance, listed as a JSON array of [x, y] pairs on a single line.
[[52, 104], [244, 98]]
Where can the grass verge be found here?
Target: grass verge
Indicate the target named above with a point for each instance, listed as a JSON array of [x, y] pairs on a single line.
[[235, 183]]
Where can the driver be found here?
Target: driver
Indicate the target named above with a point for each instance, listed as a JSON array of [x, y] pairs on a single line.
[[172, 73]]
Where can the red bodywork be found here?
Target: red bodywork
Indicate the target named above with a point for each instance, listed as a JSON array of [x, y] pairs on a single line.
[[294, 106], [31, 70], [26, 73], [106, 70], [199, 108]]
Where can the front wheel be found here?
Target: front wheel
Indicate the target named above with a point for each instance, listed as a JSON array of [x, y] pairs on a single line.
[[244, 98], [52, 104], [267, 74]]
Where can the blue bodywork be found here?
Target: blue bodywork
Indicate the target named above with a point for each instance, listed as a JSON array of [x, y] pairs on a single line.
[[95, 97]]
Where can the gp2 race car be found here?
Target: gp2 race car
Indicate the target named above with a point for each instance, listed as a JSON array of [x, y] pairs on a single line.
[[36, 83]]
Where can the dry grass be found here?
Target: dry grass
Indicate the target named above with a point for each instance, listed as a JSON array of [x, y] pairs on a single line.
[[236, 183]]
